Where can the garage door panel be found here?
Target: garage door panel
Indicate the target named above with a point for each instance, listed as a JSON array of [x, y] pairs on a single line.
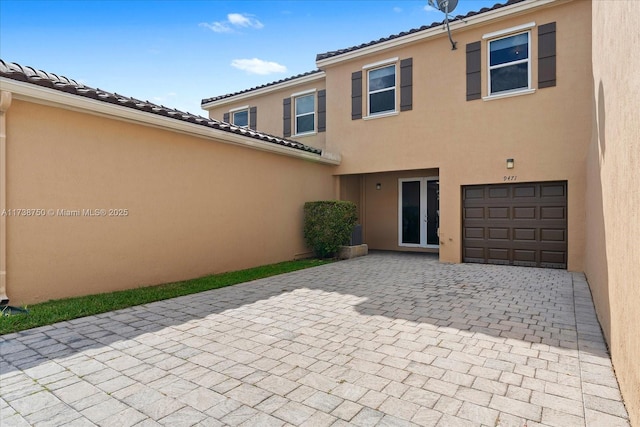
[[553, 190], [553, 212], [474, 233], [499, 193], [497, 254], [553, 235], [473, 193], [524, 212], [496, 212], [524, 255], [518, 224], [524, 234], [520, 191], [476, 254], [553, 259], [501, 233], [473, 213]]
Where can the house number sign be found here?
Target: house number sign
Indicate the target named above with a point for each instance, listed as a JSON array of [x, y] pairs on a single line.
[[508, 178]]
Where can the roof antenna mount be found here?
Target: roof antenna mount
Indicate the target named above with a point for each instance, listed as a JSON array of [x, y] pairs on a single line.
[[446, 6]]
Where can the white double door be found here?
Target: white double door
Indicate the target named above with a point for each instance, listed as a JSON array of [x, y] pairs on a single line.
[[419, 212]]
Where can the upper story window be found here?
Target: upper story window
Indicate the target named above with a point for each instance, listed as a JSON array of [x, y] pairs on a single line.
[[381, 86], [382, 89], [510, 64], [241, 117], [305, 114]]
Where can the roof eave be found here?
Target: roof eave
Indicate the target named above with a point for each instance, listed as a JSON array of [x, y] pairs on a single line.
[[264, 90], [481, 18], [25, 91]]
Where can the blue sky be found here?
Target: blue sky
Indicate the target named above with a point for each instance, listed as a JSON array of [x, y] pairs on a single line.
[[177, 52]]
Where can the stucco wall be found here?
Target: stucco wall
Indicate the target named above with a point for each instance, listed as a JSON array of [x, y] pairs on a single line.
[[269, 109], [547, 132], [195, 206], [613, 190]]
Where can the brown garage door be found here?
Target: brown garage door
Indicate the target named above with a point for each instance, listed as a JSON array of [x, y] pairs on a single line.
[[516, 224]]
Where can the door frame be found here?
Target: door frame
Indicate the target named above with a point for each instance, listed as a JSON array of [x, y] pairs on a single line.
[[423, 211]]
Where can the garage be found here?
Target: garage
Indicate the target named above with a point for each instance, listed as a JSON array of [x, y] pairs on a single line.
[[515, 224]]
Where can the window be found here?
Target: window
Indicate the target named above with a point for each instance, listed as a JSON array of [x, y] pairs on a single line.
[[382, 89], [305, 114], [509, 64], [388, 90], [241, 118]]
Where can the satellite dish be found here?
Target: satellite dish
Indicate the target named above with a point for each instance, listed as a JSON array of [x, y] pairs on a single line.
[[446, 6]]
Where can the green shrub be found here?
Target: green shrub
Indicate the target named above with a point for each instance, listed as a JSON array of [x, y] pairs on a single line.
[[328, 225]]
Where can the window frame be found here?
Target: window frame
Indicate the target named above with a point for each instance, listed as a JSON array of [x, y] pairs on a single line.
[[392, 62], [233, 112], [501, 35], [295, 115]]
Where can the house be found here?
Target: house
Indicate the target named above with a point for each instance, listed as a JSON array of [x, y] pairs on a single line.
[[519, 147], [475, 153]]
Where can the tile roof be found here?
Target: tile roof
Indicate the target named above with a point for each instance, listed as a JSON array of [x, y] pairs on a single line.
[[229, 95], [333, 53], [30, 75]]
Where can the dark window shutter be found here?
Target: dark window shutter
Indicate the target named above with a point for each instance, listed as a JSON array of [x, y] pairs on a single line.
[[474, 79], [322, 110], [356, 95], [286, 117], [406, 84], [225, 117], [253, 118], [547, 55]]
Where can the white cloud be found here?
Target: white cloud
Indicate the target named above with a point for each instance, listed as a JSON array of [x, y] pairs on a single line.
[[241, 20], [237, 20], [258, 66], [217, 27], [428, 8], [397, 9]]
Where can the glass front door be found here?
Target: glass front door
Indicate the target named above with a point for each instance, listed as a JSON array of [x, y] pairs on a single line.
[[419, 212]]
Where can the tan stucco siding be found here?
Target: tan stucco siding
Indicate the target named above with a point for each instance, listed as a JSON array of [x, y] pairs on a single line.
[[195, 206], [270, 111], [442, 125], [613, 190], [546, 132]]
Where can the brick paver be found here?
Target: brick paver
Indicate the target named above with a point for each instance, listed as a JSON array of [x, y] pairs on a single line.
[[383, 340]]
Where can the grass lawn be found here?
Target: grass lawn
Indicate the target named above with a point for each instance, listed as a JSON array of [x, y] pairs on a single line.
[[54, 311]]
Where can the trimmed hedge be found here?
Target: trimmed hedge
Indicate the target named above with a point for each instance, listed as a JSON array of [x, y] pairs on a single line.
[[328, 225]]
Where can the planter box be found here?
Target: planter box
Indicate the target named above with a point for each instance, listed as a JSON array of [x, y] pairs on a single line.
[[348, 252]]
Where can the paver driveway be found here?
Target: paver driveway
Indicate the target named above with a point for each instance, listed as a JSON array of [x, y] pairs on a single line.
[[387, 339]]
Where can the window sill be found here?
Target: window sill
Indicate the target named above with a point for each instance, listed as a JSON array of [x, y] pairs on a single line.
[[380, 115], [508, 94], [298, 135]]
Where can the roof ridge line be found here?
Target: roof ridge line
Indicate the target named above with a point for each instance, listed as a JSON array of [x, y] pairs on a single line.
[[334, 53], [274, 83]]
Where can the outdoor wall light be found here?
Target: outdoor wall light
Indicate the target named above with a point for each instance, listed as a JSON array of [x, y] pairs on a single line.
[[378, 186], [510, 163]]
